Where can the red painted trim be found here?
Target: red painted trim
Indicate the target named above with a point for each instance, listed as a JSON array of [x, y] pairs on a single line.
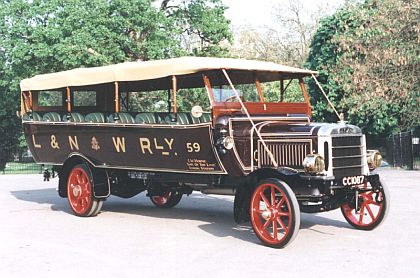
[[79, 191], [260, 108]]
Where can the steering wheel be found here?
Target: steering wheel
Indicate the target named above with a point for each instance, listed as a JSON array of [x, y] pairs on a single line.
[[231, 98]]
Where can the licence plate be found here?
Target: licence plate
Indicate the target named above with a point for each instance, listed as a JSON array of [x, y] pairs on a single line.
[[353, 180]]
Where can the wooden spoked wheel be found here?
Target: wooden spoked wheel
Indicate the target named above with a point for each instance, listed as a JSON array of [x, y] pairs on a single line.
[[80, 192], [168, 199], [370, 209], [275, 214]]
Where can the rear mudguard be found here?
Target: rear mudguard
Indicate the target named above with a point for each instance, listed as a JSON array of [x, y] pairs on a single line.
[[99, 177]]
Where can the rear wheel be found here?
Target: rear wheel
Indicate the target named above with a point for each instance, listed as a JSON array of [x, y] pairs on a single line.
[[167, 199], [80, 192], [275, 214], [370, 209]]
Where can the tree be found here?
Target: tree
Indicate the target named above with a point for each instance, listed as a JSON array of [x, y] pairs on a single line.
[[42, 36], [323, 56], [287, 40], [204, 31], [369, 61], [254, 44]]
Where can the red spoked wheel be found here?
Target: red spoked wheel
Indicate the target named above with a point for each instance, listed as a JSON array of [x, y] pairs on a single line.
[[80, 192], [275, 214], [372, 207], [168, 199]]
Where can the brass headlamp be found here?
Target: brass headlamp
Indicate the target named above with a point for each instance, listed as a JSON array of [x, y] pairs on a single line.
[[374, 159], [314, 164]]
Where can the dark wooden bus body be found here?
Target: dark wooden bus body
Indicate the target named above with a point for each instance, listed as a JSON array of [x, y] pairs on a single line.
[[175, 152]]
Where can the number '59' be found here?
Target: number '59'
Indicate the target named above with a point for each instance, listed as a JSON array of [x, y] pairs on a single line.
[[193, 147]]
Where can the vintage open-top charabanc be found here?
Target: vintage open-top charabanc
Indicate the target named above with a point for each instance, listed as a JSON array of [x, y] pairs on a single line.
[[219, 126]]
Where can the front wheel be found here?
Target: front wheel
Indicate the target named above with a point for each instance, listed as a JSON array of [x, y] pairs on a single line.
[[275, 214], [167, 199], [370, 209], [80, 192]]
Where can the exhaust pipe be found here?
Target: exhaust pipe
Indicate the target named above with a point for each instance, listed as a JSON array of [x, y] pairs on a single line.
[[219, 191]]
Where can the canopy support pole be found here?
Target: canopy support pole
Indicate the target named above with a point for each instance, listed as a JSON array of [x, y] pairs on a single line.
[[26, 103], [174, 93], [260, 93], [68, 100], [281, 90], [305, 95], [117, 102]]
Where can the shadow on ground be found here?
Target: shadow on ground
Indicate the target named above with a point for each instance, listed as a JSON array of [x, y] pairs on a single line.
[[215, 212]]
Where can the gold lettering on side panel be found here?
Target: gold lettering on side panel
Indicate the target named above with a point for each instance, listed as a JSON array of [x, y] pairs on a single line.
[[157, 146], [38, 146], [54, 143], [95, 144], [119, 144], [73, 142], [145, 145], [169, 142]]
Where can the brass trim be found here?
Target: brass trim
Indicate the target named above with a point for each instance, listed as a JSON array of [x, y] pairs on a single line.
[[286, 155], [245, 168]]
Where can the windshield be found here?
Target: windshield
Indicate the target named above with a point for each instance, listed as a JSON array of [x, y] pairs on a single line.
[[247, 93], [273, 91]]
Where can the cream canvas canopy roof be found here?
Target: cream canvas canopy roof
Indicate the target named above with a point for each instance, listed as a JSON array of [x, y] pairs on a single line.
[[136, 71]]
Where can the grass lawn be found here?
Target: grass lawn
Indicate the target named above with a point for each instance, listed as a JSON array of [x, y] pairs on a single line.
[[22, 168]]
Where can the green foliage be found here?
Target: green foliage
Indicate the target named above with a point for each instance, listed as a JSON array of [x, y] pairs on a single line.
[[206, 24], [42, 36], [292, 93], [9, 130], [187, 98], [368, 58]]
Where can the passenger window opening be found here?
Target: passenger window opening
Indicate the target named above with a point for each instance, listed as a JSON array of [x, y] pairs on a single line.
[[84, 98], [50, 98], [145, 101], [189, 97], [124, 101]]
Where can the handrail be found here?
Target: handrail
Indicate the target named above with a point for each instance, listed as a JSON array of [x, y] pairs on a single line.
[[326, 97]]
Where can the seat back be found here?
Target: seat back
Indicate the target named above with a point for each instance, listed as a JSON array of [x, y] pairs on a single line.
[[182, 118], [123, 118], [51, 117], [145, 118], [194, 119], [74, 117], [205, 118], [35, 117], [95, 118]]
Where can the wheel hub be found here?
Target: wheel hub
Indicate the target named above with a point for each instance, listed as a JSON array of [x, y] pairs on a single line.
[[76, 190], [266, 214]]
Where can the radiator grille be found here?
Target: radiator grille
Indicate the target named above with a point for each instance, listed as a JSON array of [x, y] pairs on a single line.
[[347, 156], [288, 153]]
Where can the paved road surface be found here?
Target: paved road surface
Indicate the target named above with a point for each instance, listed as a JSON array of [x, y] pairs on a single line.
[[39, 237]]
